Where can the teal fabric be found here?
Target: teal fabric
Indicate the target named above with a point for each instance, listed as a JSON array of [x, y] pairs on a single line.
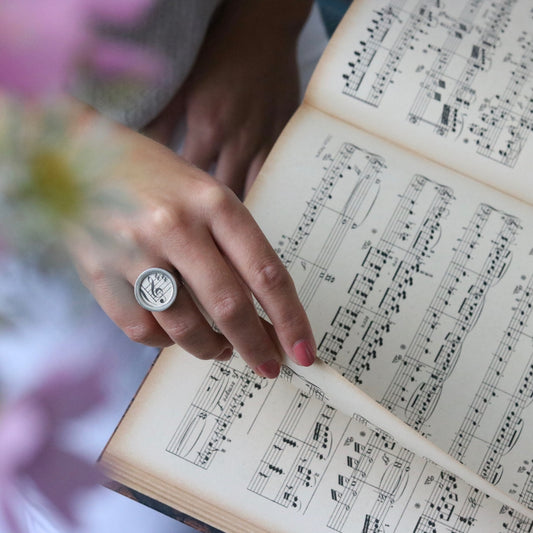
[[332, 12]]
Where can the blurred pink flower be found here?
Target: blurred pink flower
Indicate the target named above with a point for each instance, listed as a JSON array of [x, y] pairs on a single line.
[[42, 42], [122, 12], [31, 447]]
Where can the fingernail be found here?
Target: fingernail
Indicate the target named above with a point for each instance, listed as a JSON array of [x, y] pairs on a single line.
[[225, 355], [270, 369], [303, 353]]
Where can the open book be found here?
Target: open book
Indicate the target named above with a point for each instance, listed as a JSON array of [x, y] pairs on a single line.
[[401, 201]]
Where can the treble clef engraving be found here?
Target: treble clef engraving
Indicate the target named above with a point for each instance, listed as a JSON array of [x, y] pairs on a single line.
[[156, 292]]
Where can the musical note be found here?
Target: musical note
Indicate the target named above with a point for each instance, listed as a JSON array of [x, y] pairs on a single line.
[[298, 453], [409, 238], [204, 430], [347, 192], [452, 314]]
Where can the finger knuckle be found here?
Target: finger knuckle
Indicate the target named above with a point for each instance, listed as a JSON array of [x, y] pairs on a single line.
[[186, 333], [144, 333], [95, 274], [216, 197], [271, 277], [165, 218], [230, 308], [193, 337]]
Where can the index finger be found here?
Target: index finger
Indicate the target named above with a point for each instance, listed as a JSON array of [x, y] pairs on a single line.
[[263, 272]]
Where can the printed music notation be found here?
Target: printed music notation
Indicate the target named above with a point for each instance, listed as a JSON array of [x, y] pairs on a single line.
[[506, 120], [526, 493], [220, 401], [450, 49], [448, 508], [492, 395], [480, 260], [444, 96], [515, 522], [407, 241], [375, 64], [467, 507], [510, 424], [372, 460], [341, 202], [379, 484], [299, 453], [453, 507]]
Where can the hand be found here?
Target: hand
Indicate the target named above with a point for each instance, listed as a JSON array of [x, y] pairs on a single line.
[[188, 221], [241, 92]]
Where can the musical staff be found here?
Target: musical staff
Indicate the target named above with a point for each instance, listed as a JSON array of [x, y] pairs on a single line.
[[510, 425], [506, 120], [407, 241], [526, 494], [457, 46], [372, 460], [515, 522], [341, 202], [480, 260], [219, 402], [374, 65], [448, 94], [440, 512], [298, 454], [484, 399]]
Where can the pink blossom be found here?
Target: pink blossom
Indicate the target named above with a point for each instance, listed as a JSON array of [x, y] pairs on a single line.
[[41, 42], [31, 447], [122, 12]]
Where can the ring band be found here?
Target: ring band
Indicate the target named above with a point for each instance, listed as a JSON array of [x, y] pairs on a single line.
[[156, 289]]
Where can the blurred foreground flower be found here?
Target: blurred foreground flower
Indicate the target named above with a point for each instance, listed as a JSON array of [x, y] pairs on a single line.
[[50, 184], [43, 42], [33, 454], [53, 174]]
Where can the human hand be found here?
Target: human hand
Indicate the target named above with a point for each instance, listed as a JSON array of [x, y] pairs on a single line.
[[188, 221], [241, 92]]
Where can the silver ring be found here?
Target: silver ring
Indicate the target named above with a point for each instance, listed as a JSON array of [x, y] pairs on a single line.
[[156, 289]]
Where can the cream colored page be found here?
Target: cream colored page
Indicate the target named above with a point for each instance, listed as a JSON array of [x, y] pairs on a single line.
[[450, 80], [418, 283], [277, 455]]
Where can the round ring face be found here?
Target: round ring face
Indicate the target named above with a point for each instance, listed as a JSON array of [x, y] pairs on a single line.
[[156, 289]]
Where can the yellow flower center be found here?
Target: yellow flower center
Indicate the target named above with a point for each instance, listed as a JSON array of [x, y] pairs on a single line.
[[53, 183]]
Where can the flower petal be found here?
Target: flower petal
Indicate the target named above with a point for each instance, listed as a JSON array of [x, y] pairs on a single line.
[[84, 388], [7, 508], [23, 431], [112, 59], [62, 477], [122, 12], [39, 42]]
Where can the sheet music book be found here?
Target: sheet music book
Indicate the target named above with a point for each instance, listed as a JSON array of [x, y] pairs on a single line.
[[400, 199]]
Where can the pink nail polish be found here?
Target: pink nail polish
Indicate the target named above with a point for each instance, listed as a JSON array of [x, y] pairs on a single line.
[[303, 353], [270, 369]]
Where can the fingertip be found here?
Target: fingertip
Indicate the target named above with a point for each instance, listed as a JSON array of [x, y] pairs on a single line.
[[270, 369], [304, 352]]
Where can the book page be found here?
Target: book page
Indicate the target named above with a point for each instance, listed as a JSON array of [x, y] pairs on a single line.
[[248, 454], [418, 283], [452, 81]]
